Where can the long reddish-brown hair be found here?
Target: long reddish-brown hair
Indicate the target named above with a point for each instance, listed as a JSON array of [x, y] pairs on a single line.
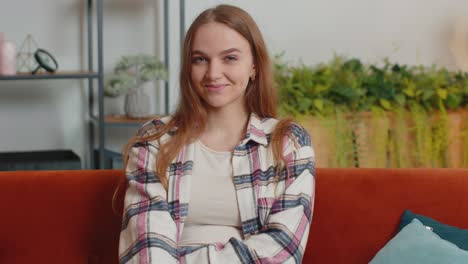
[[191, 114]]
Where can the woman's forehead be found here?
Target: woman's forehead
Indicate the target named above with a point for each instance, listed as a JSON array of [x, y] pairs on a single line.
[[217, 38]]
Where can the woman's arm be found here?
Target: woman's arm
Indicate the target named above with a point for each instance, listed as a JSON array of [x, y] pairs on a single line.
[[148, 231]]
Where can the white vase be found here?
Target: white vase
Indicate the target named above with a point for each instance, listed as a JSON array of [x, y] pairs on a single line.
[[137, 104]]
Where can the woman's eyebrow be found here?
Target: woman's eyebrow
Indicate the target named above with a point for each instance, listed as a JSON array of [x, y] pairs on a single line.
[[222, 52], [230, 50]]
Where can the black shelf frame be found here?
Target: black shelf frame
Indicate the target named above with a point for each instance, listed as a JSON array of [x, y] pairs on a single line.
[[58, 75]]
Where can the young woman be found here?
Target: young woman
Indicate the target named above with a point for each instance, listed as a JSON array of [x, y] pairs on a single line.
[[220, 180]]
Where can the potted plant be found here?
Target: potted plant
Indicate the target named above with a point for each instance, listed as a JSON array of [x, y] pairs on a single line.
[[130, 73], [386, 115]]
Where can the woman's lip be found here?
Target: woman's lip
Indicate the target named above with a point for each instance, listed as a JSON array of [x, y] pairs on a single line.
[[215, 87]]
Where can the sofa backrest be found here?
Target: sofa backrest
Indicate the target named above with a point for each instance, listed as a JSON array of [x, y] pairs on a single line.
[[67, 216], [358, 210], [58, 217]]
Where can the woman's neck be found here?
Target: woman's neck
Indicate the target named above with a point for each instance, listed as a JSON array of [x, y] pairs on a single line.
[[224, 129]]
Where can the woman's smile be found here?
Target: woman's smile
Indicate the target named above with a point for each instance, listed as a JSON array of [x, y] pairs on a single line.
[[215, 87]]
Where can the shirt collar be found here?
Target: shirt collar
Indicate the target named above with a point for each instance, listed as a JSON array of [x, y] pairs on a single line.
[[255, 131]]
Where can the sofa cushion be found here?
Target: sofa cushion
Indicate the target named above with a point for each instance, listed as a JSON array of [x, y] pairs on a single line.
[[417, 244], [453, 234]]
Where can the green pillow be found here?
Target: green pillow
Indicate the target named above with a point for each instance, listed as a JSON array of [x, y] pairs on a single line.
[[452, 234], [417, 244]]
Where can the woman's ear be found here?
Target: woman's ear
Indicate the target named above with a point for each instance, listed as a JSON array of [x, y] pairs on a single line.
[[253, 71]]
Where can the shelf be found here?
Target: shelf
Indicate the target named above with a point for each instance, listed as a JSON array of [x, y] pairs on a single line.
[[46, 75], [98, 154], [125, 119], [122, 120], [94, 77], [110, 159]]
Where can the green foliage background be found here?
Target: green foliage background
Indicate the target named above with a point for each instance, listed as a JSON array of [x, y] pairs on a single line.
[[402, 100]]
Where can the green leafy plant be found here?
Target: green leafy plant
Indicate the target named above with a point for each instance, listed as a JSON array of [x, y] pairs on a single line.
[[464, 139], [398, 133], [422, 131], [356, 86], [404, 100], [131, 71]]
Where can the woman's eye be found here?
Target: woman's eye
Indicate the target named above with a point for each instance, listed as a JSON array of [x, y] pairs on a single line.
[[198, 60], [230, 58]]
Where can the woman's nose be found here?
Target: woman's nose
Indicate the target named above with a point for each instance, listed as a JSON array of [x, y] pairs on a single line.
[[214, 70]]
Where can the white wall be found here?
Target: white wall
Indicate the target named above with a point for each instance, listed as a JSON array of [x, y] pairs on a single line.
[[38, 115], [414, 32]]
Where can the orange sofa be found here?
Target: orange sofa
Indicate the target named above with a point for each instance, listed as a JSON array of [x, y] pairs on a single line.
[[67, 217]]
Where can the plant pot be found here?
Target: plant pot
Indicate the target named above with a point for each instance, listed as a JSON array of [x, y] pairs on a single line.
[[440, 140], [402, 140], [457, 139], [321, 141], [331, 140], [371, 132], [137, 104], [390, 140]]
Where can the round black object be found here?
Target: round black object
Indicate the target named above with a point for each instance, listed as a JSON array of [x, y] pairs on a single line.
[[45, 60]]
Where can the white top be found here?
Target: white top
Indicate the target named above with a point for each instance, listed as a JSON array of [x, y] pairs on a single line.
[[213, 214]]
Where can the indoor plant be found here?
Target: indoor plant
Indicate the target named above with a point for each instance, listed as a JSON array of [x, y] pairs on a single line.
[[378, 115], [129, 75]]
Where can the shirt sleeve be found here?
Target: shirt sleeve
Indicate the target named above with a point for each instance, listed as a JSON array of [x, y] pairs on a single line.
[[148, 233], [283, 237]]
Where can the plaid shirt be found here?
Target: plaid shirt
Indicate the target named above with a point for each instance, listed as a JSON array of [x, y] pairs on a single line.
[[275, 214]]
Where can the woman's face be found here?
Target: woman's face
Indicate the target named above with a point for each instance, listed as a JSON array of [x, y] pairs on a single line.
[[221, 65]]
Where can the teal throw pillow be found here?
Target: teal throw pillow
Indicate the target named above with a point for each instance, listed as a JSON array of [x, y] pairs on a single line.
[[417, 244], [452, 234]]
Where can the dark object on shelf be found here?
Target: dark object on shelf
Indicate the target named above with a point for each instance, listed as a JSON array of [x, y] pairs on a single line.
[[40, 160], [45, 60], [111, 160]]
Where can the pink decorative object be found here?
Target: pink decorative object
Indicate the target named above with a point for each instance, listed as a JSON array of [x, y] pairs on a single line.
[[8, 58], [2, 38]]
